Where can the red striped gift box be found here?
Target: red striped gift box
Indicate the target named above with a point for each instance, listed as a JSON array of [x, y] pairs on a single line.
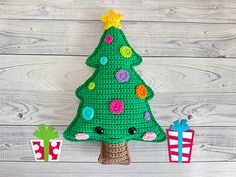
[[173, 145]]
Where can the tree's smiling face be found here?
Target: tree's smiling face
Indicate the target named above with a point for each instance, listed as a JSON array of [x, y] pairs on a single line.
[[100, 131], [109, 135], [115, 136]]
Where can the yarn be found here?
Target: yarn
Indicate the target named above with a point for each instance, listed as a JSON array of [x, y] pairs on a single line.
[[91, 85], [88, 113], [126, 51], [108, 39], [111, 19], [122, 75], [147, 116], [114, 154], [103, 60], [116, 106], [141, 91]]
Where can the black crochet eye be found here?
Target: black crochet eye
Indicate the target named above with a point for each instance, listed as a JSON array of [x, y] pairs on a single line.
[[99, 130], [132, 130]]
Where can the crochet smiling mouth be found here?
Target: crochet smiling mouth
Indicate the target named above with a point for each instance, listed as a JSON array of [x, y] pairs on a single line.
[[114, 138]]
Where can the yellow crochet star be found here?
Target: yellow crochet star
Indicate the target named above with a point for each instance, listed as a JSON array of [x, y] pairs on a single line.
[[111, 19]]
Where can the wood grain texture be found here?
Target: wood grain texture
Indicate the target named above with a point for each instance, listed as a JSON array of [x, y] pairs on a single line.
[[26, 169], [66, 73], [189, 51], [210, 144], [40, 89], [35, 107], [151, 10], [147, 38]]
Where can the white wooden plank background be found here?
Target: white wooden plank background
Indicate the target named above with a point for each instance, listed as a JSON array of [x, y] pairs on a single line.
[[163, 74], [188, 49], [63, 37], [27, 169], [210, 11], [59, 108]]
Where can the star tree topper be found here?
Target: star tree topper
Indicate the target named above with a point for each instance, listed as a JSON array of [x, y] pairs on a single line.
[[111, 19]]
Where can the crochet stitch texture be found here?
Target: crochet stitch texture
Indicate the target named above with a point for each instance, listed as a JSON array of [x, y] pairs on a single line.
[[114, 100]]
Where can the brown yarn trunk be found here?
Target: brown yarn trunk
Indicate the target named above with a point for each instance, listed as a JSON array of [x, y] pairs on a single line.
[[114, 154]]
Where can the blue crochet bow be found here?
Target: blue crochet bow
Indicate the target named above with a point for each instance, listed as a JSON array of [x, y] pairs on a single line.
[[180, 127]]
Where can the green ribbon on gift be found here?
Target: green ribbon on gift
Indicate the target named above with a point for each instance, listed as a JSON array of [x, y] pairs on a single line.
[[180, 127], [46, 134]]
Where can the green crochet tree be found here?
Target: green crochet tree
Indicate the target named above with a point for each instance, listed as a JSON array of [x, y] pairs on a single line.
[[114, 100]]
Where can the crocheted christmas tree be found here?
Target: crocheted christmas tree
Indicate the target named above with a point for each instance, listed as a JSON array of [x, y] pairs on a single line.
[[114, 100]]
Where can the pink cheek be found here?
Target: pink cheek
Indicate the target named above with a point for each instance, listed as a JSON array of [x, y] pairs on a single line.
[[149, 136], [81, 136]]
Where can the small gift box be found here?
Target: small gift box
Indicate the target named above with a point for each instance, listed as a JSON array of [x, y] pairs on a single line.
[[180, 142], [46, 149], [53, 153]]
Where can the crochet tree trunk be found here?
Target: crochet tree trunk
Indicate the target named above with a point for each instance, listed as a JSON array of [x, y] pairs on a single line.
[[114, 100], [114, 154]]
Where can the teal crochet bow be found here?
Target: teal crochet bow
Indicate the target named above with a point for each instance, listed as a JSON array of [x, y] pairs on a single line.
[[180, 127]]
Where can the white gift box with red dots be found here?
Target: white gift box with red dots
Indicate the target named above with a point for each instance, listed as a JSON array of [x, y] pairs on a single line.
[[54, 149]]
